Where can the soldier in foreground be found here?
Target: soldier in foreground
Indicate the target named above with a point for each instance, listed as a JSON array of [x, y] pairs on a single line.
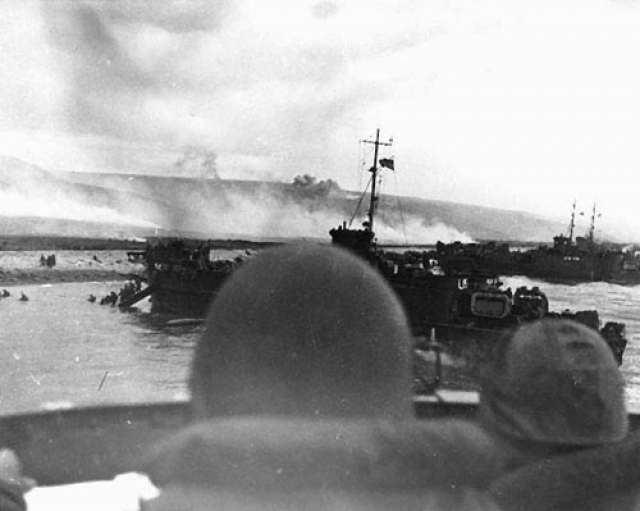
[[553, 399]]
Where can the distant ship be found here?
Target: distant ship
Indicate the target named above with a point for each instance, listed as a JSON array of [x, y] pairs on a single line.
[[462, 306], [567, 261]]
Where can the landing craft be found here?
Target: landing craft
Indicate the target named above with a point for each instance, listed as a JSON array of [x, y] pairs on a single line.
[[180, 274], [466, 309]]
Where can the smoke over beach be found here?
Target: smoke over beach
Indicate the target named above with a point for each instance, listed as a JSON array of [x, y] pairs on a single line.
[[235, 90], [143, 205]]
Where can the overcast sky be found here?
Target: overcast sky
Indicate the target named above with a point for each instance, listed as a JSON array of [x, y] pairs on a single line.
[[522, 105]]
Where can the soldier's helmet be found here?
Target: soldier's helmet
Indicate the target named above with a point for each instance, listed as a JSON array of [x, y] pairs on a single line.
[[555, 382], [304, 330]]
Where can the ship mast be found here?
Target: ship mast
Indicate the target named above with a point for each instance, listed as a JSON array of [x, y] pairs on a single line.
[[573, 222], [593, 224], [374, 177]]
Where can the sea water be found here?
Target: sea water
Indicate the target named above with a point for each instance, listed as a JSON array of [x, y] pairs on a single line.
[[58, 348]]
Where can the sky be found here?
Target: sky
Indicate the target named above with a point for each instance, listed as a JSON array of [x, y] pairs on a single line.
[[512, 104]]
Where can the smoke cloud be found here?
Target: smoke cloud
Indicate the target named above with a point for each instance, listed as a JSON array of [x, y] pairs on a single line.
[[197, 162], [309, 187], [29, 191], [414, 231], [214, 208], [38, 203], [307, 209]]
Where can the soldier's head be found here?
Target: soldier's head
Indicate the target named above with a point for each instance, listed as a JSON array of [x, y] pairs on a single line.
[[554, 383], [305, 330]]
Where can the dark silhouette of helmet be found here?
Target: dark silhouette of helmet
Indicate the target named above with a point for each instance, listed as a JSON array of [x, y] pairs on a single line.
[[304, 330], [554, 382]]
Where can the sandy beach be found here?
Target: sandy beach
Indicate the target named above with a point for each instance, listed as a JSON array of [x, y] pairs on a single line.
[[23, 267], [88, 259]]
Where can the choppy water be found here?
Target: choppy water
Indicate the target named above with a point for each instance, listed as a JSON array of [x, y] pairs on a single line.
[[58, 347]]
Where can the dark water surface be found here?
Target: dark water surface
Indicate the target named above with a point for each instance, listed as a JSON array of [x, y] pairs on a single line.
[[60, 348]]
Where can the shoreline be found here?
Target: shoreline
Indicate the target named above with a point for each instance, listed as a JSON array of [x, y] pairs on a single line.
[[16, 277], [73, 243], [21, 267]]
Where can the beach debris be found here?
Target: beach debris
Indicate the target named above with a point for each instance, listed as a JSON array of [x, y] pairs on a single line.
[[106, 373]]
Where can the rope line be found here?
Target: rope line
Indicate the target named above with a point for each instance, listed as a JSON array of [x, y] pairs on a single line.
[[360, 202], [404, 227]]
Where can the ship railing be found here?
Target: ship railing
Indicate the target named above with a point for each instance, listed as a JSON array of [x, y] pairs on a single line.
[[428, 384]]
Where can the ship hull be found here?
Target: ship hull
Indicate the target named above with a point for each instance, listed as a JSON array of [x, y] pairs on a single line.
[[180, 301], [180, 293], [470, 340], [569, 266]]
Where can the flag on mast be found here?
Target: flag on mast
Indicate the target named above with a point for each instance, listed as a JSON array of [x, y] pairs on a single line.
[[388, 163]]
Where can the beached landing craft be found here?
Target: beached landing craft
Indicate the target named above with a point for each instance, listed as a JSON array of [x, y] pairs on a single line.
[[465, 309], [181, 277]]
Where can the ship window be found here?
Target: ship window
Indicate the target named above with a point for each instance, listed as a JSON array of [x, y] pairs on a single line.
[[489, 306]]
